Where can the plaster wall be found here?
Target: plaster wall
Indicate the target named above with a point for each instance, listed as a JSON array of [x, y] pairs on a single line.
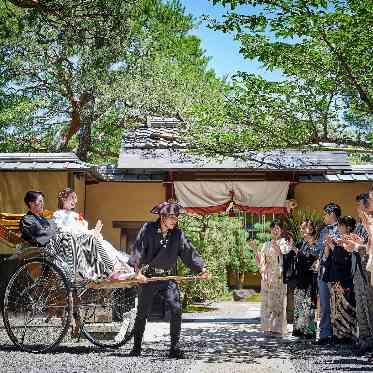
[[317, 195], [14, 185], [121, 201]]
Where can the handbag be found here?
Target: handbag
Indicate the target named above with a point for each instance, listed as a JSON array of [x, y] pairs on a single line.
[[289, 270]]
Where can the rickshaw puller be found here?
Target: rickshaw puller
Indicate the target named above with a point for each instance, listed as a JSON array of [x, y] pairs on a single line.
[[157, 247]]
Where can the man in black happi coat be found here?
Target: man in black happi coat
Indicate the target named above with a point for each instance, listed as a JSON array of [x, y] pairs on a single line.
[[157, 247]]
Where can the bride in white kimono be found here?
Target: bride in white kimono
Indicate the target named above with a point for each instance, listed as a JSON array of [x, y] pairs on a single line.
[[67, 220]]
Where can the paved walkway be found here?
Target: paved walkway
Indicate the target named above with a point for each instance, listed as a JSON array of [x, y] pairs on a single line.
[[229, 340], [226, 340]]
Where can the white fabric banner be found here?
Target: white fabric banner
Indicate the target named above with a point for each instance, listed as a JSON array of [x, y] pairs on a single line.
[[245, 193], [203, 193], [261, 193]]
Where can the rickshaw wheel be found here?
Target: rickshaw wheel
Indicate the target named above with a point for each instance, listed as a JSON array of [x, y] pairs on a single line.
[[37, 306], [107, 316]]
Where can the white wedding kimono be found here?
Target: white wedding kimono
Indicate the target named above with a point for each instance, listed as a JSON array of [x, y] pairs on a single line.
[[71, 222]]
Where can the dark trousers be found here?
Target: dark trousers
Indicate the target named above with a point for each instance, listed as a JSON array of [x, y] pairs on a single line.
[[326, 330], [170, 292]]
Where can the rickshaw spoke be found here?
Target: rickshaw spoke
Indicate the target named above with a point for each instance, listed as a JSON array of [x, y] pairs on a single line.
[[37, 294]]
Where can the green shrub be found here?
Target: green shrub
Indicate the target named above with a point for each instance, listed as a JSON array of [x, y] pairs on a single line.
[[206, 235], [222, 242]]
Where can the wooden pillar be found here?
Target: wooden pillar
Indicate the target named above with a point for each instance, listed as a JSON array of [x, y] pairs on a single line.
[[71, 180], [169, 187]]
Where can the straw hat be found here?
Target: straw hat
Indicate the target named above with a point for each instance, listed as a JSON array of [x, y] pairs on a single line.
[[168, 208]]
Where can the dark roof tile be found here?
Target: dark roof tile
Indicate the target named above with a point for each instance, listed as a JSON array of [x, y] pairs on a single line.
[[41, 161], [161, 143]]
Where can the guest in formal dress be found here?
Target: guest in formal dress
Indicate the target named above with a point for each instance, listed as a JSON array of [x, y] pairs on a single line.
[[338, 273], [273, 289], [67, 220], [358, 245], [303, 276]]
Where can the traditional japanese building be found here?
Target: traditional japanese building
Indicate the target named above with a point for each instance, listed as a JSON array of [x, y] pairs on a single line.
[[156, 163]]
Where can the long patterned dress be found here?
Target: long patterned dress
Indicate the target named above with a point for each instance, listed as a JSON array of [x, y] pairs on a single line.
[[305, 292], [81, 257], [338, 273], [273, 289], [363, 293]]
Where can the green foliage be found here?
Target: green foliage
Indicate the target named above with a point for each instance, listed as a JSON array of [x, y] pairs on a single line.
[[221, 241], [262, 232], [241, 258], [87, 70], [323, 49], [205, 234], [262, 235]]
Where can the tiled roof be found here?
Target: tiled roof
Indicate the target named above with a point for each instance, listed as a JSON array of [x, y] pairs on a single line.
[[113, 173], [356, 173], [160, 144], [157, 133], [41, 161]]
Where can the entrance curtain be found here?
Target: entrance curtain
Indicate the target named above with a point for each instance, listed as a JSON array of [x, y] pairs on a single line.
[[259, 197]]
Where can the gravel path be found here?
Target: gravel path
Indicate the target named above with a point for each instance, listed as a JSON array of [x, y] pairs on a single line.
[[224, 340]]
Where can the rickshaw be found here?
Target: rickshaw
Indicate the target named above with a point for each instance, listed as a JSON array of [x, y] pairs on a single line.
[[43, 300]]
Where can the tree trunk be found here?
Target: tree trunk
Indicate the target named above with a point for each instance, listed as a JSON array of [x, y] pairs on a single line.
[[84, 140], [85, 132], [80, 109], [242, 279], [26, 3], [238, 281]]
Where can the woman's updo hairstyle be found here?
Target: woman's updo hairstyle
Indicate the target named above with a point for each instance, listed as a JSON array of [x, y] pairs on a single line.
[[349, 222], [278, 223], [309, 224], [63, 195]]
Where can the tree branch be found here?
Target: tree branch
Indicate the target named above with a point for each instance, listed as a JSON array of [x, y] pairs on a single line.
[[27, 4], [364, 96]]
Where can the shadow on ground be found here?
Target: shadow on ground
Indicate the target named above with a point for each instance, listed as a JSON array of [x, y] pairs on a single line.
[[237, 341], [241, 342]]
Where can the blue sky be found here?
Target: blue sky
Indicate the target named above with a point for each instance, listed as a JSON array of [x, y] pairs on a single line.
[[221, 47]]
